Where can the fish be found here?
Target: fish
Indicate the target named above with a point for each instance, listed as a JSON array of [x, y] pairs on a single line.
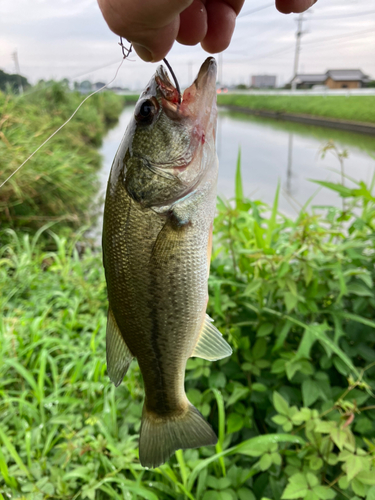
[[157, 239]]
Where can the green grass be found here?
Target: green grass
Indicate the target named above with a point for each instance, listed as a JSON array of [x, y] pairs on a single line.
[[65, 430], [343, 138], [131, 99], [293, 297], [293, 406], [60, 181], [354, 108]]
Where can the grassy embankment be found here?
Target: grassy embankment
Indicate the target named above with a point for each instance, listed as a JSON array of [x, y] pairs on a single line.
[[351, 140], [59, 182], [353, 108], [293, 406]]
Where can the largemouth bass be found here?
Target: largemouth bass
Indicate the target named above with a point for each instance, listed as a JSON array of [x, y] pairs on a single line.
[[157, 237]]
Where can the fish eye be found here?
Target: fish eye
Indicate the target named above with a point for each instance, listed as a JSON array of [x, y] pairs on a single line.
[[146, 110]]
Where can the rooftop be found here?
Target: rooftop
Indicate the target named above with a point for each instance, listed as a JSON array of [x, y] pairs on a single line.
[[338, 75], [346, 74]]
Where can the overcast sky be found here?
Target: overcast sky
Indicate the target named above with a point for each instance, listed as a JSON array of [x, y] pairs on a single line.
[[69, 38]]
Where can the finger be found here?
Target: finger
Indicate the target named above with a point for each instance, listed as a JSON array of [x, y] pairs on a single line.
[[151, 24], [154, 44], [193, 24], [297, 6], [221, 22], [236, 5]]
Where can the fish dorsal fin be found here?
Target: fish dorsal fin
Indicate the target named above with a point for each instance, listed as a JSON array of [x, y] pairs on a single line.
[[118, 355], [211, 344]]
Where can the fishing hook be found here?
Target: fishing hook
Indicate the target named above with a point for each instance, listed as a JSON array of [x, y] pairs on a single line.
[[126, 52], [175, 80]]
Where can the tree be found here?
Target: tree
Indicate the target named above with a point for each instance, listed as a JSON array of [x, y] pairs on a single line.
[[7, 80]]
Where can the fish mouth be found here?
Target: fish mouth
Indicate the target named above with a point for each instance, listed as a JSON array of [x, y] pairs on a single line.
[[207, 74], [199, 103], [195, 110], [166, 87], [195, 99]]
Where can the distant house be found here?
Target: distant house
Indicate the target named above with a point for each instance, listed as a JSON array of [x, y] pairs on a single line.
[[116, 89], [334, 79], [263, 81], [98, 85], [308, 81], [346, 79]]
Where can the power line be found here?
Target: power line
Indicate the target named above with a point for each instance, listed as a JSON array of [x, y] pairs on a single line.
[[266, 6], [261, 56], [287, 49], [354, 14], [335, 37], [71, 78], [92, 70]]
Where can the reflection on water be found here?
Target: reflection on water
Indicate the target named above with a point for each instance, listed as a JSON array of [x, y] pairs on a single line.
[[290, 165], [273, 151]]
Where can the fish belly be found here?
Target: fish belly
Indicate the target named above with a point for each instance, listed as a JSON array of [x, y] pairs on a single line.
[[157, 290]]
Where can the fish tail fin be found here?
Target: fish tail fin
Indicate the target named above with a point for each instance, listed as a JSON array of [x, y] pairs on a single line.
[[161, 435]]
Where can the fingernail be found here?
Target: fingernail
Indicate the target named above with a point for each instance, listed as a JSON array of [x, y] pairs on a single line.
[[143, 53]]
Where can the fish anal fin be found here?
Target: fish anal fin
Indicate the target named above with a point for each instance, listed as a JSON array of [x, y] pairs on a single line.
[[162, 436], [211, 344], [119, 356]]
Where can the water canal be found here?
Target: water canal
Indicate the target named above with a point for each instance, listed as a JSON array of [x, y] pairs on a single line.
[[273, 151]]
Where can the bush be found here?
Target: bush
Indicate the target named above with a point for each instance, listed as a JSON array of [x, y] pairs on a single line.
[[293, 406]]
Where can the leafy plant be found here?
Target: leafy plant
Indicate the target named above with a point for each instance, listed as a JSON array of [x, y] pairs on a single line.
[[293, 406]]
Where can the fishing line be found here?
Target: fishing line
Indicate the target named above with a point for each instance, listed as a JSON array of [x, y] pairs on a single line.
[[125, 52], [68, 120]]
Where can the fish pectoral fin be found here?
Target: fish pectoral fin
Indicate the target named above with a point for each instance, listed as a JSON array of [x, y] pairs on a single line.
[[119, 356], [211, 344], [185, 208], [167, 243]]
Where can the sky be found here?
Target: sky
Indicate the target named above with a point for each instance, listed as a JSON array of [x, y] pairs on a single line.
[[70, 39]]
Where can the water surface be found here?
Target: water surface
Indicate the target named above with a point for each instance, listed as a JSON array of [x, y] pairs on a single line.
[[273, 151]]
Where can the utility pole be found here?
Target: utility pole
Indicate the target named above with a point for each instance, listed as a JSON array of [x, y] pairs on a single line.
[[18, 71], [220, 69], [290, 165], [297, 51]]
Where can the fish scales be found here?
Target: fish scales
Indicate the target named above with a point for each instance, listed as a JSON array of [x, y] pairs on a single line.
[[157, 230]]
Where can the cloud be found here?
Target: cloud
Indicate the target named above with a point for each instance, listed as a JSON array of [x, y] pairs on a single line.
[[70, 38]]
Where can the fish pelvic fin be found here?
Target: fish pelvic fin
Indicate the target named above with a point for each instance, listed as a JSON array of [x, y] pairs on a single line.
[[211, 345], [119, 356], [161, 436]]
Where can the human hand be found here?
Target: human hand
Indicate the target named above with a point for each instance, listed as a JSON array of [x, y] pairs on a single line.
[[297, 6], [153, 25]]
